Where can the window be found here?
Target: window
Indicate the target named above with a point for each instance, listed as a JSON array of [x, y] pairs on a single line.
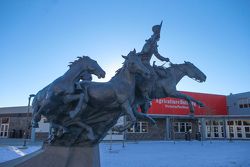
[[244, 103], [139, 127], [247, 131], [230, 122], [215, 128], [246, 122], [238, 122], [215, 122], [182, 127]]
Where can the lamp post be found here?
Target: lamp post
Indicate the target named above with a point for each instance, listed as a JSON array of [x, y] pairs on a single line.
[[27, 120]]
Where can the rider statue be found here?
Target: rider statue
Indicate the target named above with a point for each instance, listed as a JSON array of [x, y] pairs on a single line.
[[149, 49]]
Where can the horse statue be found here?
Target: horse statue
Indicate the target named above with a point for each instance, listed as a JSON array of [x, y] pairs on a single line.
[[107, 101], [62, 91], [165, 86], [168, 78]]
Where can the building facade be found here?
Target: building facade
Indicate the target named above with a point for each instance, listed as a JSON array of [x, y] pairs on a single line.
[[239, 115], [223, 117], [15, 122]]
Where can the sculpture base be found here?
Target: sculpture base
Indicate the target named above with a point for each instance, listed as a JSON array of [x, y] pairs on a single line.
[[59, 156]]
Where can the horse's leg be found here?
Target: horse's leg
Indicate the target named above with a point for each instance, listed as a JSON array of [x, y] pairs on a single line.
[[37, 116], [53, 132], [183, 96], [126, 108], [56, 131], [199, 103], [90, 133], [145, 107], [70, 98], [81, 105], [144, 116]]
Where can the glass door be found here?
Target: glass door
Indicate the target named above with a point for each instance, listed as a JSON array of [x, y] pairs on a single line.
[[4, 130], [238, 129], [215, 129]]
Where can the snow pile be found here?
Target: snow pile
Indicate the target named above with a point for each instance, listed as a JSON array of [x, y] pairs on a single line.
[[176, 154], [12, 152]]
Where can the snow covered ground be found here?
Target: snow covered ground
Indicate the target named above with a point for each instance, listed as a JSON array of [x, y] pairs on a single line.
[[178, 154], [160, 154], [12, 152]]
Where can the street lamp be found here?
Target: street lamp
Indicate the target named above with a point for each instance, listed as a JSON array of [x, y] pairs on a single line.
[[27, 120]]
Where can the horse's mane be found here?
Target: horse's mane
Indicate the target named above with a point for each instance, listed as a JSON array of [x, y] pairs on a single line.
[[174, 65], [163, 71], [118, 71], [83, 58]]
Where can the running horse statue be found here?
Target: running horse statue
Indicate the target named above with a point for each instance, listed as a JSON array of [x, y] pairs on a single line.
[[168, 78], [62, 91], [165, 86], [107, 101]]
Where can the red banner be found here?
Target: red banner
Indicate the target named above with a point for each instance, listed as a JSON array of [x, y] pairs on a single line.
[[214, 105]]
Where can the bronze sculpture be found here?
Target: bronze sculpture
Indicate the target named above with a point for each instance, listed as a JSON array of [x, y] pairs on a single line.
[[149, 49], [165, 85], [61, 92], [81, 112]]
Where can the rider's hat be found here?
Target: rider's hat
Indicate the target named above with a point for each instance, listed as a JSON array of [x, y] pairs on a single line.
[[157, 28]]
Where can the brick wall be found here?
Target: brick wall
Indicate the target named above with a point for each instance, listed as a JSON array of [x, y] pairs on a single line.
[[18, 124], [154, 132]]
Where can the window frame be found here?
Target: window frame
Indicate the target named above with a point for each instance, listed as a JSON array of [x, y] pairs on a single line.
[[139, 127], [178, 127]]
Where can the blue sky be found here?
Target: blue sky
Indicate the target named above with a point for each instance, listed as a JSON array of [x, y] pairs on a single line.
[[39, 38]]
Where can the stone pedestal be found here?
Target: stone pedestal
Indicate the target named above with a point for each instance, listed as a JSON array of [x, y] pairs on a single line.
[[58, 156]]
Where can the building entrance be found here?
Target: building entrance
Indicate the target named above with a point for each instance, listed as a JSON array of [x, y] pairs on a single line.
[[215, 129], [4, 129]]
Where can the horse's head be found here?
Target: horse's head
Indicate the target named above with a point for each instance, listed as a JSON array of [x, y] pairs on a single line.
[[193, 72], [134, 64], [89, 65]]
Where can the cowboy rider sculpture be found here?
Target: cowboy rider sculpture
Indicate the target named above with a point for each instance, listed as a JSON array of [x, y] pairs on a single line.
[[149, 49]]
